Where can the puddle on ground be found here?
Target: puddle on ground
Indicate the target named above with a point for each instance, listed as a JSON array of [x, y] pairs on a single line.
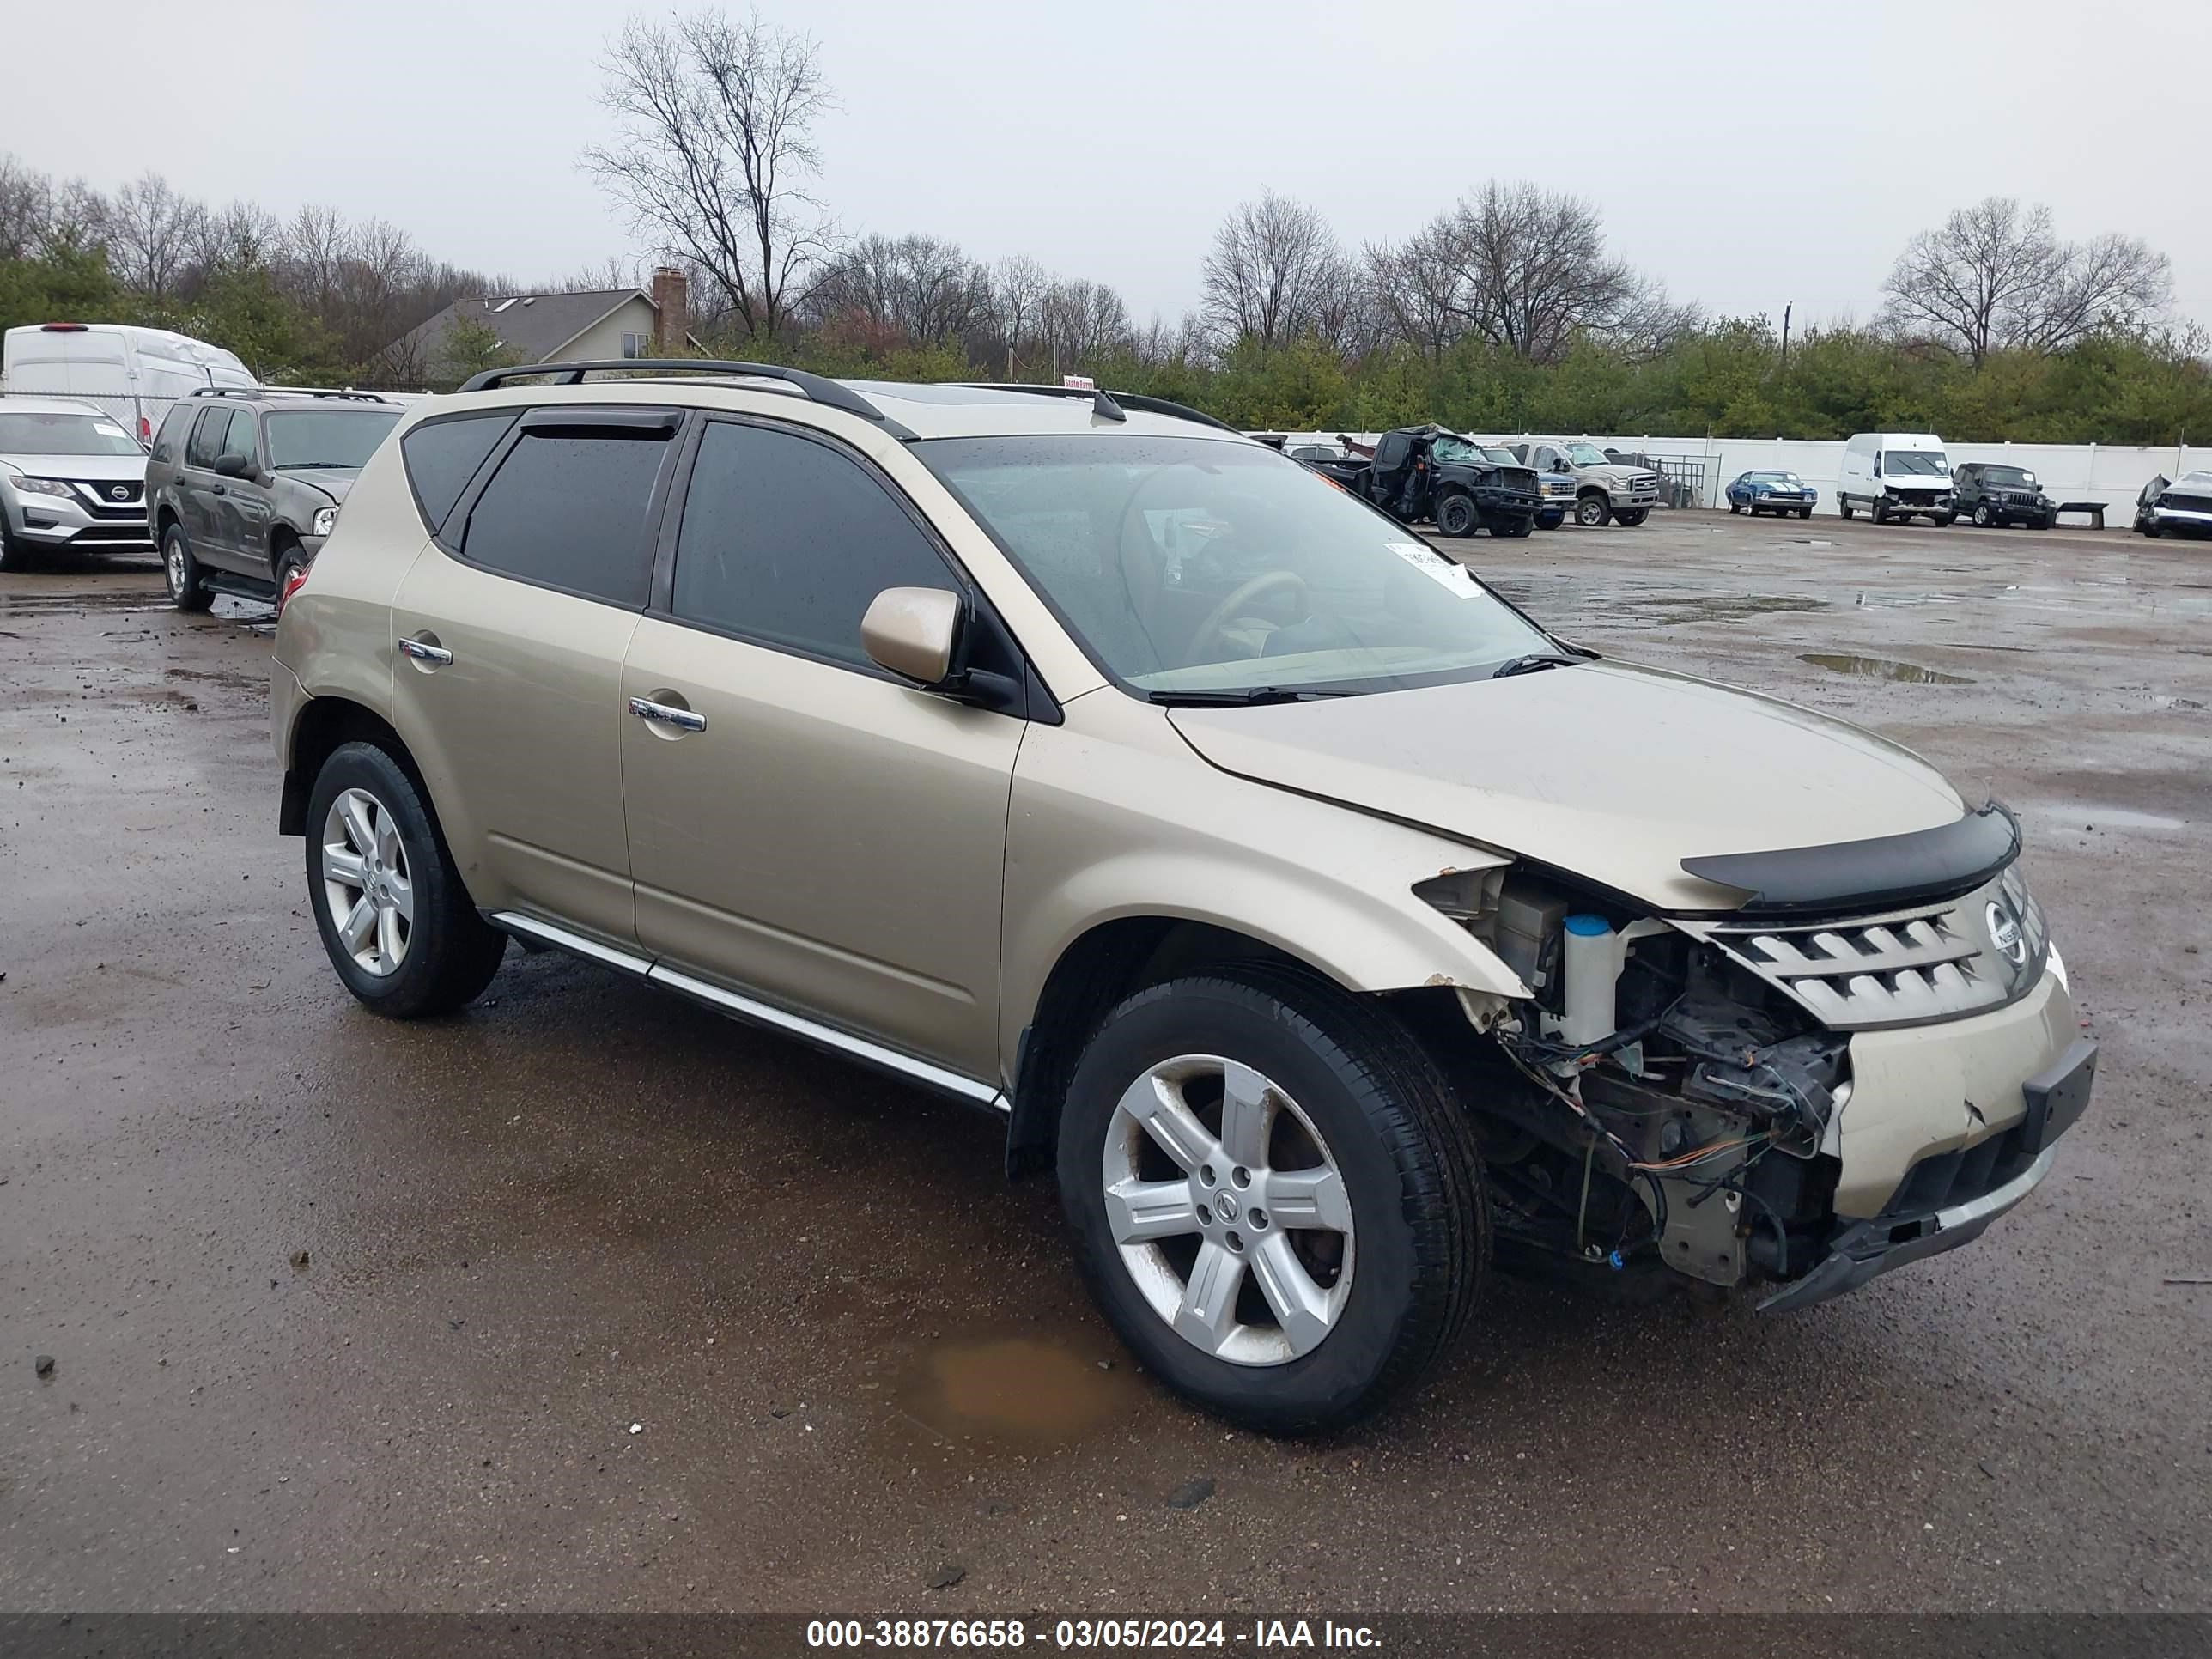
[[1694, 608], [1016, 1388], [1881, 668], [2070, 813]]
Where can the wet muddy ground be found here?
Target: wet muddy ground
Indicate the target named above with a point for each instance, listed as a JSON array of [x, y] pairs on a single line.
[[589, 1300]]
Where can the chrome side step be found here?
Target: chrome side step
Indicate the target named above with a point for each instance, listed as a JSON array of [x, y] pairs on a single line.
[[928, 1073]]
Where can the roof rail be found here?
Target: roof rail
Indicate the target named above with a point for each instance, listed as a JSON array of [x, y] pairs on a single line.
[[1126, 399], [343, 392], [815, 387]]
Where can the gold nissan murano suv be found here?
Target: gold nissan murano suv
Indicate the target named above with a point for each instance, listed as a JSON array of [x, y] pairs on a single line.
[[1327, 925]]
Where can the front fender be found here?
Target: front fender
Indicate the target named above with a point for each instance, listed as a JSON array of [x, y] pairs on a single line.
[[1123, 819]]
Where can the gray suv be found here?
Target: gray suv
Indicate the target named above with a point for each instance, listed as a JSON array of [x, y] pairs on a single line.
[[244, 484]]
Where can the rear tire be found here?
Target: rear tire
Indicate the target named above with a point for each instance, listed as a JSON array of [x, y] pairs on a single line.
[[1844, 505], [1735, 506], [187, 586], [1398, 1237], [395, 917]]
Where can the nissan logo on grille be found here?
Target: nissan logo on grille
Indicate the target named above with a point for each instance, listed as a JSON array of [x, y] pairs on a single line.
[[119, 492], [2005, 934]]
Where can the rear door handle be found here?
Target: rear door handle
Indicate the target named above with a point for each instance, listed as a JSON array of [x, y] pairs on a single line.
[[662, 714], [422, 651]]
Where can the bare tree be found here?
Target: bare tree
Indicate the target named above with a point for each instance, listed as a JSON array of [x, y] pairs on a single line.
[[151, 231], [1536, 269], [1275, 272], [1421, 289], [1996, 275], [241, 236], [26, 197], [1017, 290], [941, 292], [718, 144]]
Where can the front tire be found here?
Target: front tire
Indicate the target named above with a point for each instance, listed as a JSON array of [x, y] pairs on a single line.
[[1456, 516], [1550, 521], [1275, 1196], [1982, 516], [1881, 513], [181, 571], [1593, 512], [395, 917], [1629, 518]]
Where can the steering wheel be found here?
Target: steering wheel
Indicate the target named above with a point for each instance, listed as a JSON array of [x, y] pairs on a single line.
[[1208, 631]]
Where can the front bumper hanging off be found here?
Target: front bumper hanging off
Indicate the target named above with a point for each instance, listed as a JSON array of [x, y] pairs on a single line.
[[1907, 1232]]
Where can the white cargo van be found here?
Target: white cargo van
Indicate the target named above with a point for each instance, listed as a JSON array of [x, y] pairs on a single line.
[[134, 374], [1896, 475]]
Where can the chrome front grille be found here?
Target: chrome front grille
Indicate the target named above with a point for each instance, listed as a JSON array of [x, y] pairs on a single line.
[[1902, 967]]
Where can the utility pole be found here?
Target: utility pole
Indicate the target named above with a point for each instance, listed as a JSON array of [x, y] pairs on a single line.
[[1785, 338]]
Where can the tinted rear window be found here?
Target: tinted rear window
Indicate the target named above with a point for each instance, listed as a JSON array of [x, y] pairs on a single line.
[[568, 509], [442, 456]]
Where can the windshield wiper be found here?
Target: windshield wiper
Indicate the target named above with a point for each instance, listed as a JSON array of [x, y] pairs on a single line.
[[1240, 698], [282, 466], [1529, 665]]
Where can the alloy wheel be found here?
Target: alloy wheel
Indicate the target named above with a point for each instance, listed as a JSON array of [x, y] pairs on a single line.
[[367, 886], [1229, 1210], [173, 565]]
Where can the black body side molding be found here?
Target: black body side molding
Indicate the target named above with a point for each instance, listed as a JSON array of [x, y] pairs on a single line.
[[1926, 864]]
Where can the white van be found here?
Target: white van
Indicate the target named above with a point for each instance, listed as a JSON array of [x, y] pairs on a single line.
[[1896, 475], [134, 374]]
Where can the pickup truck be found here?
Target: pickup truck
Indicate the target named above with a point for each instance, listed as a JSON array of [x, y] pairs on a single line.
[[1429, 473], [1603, 490]]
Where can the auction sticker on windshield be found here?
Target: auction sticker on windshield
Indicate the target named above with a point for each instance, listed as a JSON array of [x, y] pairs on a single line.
[[1433, 565]]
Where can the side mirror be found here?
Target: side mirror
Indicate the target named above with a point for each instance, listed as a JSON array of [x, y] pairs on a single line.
[[915, 632], [234, 466]]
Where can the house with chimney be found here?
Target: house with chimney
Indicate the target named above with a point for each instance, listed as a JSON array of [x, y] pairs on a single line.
[[597, 325]]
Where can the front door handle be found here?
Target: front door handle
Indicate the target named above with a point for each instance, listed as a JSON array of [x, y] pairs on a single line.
[[422, 651], [662, 714]]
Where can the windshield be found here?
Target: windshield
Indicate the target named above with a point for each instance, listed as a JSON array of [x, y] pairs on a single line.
[[1773, 478], [1497, 452], [1186, 564], [1586, 455], [1456, 449], [2007, 475], [1919, 463], [327, 437], [29, 434]]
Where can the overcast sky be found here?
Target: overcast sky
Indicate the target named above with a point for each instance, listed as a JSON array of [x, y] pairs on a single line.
[[1750, 154]]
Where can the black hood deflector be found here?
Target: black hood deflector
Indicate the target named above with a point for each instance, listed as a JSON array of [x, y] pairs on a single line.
[[1862, 875]]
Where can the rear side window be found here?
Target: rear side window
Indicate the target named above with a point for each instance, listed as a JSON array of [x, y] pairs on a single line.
[[567, 508], [787, 541], [169, 441], [442, 456], [207, 437]]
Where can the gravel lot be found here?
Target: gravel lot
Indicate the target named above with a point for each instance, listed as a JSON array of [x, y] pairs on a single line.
[[589, 1300]]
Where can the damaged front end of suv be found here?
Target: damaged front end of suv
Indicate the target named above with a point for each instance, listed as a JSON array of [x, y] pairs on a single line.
[[1790, 1096]]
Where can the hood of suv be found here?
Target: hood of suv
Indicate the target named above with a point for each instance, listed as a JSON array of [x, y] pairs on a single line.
[[102, 469], [1613, 773], [334, 481]]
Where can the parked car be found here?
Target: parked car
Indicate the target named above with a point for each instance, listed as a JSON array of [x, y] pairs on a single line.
[[134, 375], [1895, 475], [1313, 452], [1990, 494], [245, 485], [70, 478], [1771, 492], [1603, 492], [1428, 473], [2182, 506], [1320, 918]]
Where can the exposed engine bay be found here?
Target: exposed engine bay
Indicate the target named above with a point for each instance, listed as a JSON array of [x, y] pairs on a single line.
[[1661, 1103]]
